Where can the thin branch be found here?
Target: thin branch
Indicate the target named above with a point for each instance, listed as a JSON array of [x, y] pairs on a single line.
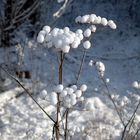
[[20, 7], [27, 93], [27, 11], [23, 16], [26, 14], [136, 134], [109, 95], [62, 9], [81, 67], [66, 124], [130, 121]]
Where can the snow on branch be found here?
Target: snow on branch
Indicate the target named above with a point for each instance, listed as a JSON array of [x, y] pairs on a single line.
[[62, 9]]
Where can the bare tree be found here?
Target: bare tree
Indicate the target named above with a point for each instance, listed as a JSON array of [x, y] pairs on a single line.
[[15, 13]]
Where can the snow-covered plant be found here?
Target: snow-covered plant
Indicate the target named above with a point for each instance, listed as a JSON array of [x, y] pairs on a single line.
[[60, 39], [127, 107], [95, 20], [69, 96], [67, 100]]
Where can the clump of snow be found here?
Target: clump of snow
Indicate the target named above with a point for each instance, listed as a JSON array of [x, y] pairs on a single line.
[[61, 39], [69, 96], [87, 33], [60, 1], [93, 19], [100, 67], [87, 44], [136, 85]]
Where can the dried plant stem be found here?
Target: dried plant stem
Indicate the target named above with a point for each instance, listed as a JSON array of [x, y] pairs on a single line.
[[58, 94], [130, 121], [136, 134], [30, 95], [66, 124], [57, 120], [81, 67], [61, 68], [109, 95]]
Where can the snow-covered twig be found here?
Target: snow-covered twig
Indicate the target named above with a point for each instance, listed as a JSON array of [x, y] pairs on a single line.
[[62, 9]]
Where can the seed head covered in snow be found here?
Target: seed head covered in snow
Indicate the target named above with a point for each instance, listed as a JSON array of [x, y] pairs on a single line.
[[111, 24], [87, 44], [83, 88], [136, 85], [93, 19], [69, 96], [59, 88], [93, 28], [40, 38], [47, 29], [100, 67], [107, 80], [53, 98], [87, 33], [91, 63], [43, 93], [60, 39]]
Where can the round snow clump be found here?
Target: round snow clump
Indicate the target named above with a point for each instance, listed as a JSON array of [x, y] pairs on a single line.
[[66, 29], [63, 93], [70, 91], [58, 43], [42, 32], [74, 45], [72, 96], [80, 36], [111, 24], [81, 99], [92, 18], [104, 21], [73, 102], [78, 19], [87, 33], [74, 87], [85, 19], [83, 88], [79, 31], [87, 44], [53, 98], [107, 80], [43, 93], [100, 66], [135, 85], [66, 49], [40, 38], [78, 93], [77, 40], [47, 29], [91, 63], [98, 20], [93, 28], [59, 88]]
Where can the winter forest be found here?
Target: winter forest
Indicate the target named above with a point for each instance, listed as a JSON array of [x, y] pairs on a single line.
[[69, 70]]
